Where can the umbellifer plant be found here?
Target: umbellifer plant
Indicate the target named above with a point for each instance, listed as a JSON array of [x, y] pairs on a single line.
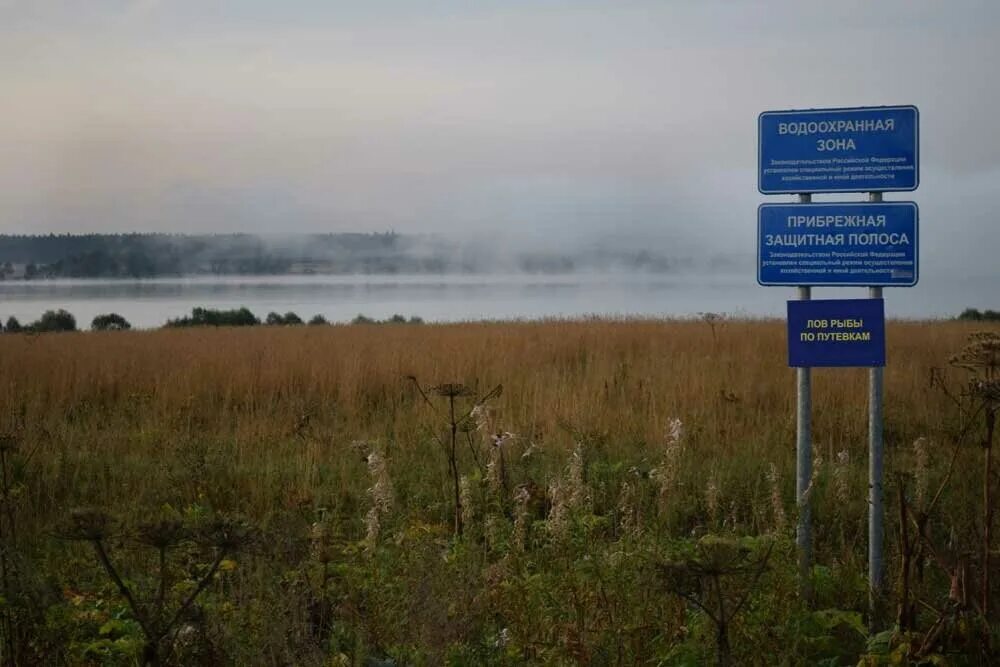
[[158, 616], [457, 417]]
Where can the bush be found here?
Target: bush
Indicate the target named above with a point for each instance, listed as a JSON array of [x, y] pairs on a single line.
[[288, 318], [976, 315], [110, 322], [54, 320], [13, 325], [317, 320], [395, 319], [206, 317]]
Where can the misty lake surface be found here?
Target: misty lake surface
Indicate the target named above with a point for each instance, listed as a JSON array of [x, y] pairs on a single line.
[[436, 298]]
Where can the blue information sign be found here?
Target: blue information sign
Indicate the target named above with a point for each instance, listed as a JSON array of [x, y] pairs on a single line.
[[859, 244], [866, 149], [836, 332]]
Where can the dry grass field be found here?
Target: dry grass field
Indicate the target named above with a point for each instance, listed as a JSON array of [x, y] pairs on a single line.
[[277, 425]]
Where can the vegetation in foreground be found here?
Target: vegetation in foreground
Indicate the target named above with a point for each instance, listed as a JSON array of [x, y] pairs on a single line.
[[592, 492]]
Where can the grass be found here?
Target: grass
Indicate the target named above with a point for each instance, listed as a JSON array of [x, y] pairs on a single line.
[[266, 423]]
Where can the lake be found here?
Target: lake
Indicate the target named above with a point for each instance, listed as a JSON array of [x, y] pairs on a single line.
[[149, 303]]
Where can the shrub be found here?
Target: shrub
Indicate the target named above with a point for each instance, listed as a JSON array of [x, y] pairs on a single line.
[[110, 322], [977, 315], [13, 325], [317, 320], [288, 318], [395, 319], [55, 320], [207, 317]]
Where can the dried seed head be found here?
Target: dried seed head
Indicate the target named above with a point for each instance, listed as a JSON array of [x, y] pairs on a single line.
[[161, 534], [226, 533], [87, 524], [452, 390]]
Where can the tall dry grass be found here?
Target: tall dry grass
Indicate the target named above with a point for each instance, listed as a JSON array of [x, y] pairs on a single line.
[[286, 402], [276, 422]]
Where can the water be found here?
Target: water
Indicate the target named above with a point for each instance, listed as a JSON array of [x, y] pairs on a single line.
[[149, 303]]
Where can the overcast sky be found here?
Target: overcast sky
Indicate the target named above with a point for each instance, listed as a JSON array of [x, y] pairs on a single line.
[[556, 120]]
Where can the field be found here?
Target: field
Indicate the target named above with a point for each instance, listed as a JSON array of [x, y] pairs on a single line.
[[286, 495]]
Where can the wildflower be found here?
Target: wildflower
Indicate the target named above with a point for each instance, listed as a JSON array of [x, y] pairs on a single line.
[[731, 520], [675, 431], [521, 499], [381, 495], [319, 538], [841, 483], [558, 520], [568, 493], [777, 506], [465, 495], [500, 439], [627, 508], [481, 416], [712, 496], [579, 493], [666, 475]]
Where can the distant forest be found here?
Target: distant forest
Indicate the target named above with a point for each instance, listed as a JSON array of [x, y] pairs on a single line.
[[154, 255], [151, 255]]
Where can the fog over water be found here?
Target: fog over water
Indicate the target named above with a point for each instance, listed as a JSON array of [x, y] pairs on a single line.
[[149, 303]]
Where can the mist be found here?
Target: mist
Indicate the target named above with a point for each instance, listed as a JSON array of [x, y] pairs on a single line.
[[554, 128]]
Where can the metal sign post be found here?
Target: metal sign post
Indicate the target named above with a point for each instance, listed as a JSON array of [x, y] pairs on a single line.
[[803, 456], [876, 511], [865, 244]]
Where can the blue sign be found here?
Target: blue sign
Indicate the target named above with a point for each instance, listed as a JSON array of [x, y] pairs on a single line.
[[867, 149], [836, 332], [849, 244]]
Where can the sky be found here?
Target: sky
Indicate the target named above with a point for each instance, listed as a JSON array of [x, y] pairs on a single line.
[[552, 122]]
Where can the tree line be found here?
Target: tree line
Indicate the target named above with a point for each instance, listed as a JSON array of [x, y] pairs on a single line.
[[53, 321], [150, 255]]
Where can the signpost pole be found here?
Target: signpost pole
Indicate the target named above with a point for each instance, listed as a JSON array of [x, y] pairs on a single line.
[[875, 460], [803, 455], [825, 151]]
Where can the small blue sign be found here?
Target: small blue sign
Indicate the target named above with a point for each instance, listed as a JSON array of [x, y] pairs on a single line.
[[849, 244], [836, 332], [865, 149]]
